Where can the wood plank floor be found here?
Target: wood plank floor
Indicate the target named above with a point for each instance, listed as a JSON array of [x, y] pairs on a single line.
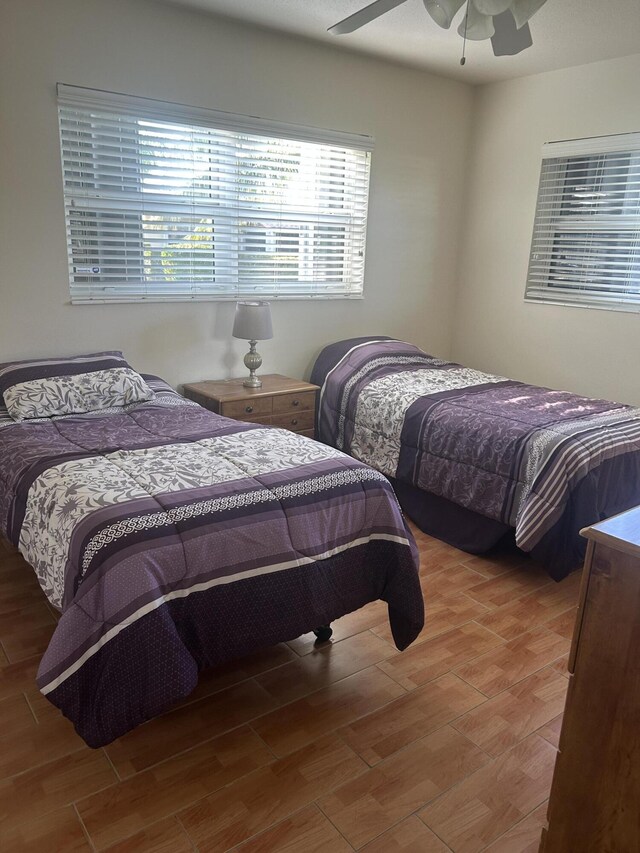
[[449, 746]]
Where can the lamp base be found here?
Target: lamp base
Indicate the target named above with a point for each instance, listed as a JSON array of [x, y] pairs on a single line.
[[252, 361], [252, 382]]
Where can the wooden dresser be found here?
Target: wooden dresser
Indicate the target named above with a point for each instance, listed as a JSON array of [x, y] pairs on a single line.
[[280, 402], [595, 795]]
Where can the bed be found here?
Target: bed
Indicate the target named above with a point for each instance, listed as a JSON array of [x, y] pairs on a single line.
[[172, 539], [477, 458]]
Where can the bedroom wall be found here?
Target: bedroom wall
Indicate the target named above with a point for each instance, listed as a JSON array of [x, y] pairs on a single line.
[[594, 352], [421, 124]]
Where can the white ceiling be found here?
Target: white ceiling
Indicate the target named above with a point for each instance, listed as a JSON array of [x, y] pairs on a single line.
[[565, 33]]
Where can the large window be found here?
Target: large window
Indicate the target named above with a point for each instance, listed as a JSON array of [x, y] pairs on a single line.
[[167, 202], [586, 236]]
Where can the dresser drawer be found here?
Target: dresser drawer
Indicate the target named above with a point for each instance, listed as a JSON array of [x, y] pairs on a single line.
[[285, 403], [298, 421], [247, 409]]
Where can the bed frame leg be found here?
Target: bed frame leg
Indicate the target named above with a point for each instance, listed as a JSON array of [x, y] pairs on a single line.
[[323, 633]]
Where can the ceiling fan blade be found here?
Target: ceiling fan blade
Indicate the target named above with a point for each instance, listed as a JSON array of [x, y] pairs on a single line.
[[443, 11], [508, 38], [364, 16]]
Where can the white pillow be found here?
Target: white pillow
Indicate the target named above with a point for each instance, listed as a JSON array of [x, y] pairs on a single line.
[[76, 394]]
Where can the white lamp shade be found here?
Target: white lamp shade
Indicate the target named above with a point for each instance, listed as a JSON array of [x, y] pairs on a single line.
[[478, 27], [443, 11], [252, 321]]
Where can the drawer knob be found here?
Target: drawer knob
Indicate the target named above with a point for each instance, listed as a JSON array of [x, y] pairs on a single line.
[[294, 422], [248, 409], [296, 403]]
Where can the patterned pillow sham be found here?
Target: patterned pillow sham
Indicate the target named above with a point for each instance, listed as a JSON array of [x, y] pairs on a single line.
[[77, 394], [14, 372]]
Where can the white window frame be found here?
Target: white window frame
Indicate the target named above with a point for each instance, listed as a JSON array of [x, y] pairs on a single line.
[[593, 283], [308, 272]]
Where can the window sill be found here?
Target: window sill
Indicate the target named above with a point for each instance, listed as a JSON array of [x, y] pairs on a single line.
[[621, 307], [123, 300]]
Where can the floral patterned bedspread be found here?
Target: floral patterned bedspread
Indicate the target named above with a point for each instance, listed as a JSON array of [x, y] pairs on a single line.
[[506, 450], [173, 539]]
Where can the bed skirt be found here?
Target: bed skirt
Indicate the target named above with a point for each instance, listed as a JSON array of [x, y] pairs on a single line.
[[450, 522], [609, 489]]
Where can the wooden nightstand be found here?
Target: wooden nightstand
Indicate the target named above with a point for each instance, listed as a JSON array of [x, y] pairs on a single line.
[[281, 402]]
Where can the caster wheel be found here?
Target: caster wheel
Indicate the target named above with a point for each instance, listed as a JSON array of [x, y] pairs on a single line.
[[323, 633]]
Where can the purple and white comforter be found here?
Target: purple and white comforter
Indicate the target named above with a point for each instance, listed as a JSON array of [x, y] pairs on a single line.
[[173, 539], [508, 451]]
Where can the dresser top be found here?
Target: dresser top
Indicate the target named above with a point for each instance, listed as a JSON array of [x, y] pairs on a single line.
[[621, 532], [224, 390]]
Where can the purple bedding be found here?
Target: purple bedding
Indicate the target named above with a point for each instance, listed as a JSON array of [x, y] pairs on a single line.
[[542, 462], [173, 539]]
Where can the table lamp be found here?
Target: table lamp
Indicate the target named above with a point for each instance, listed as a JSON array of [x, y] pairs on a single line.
[[252, 323]]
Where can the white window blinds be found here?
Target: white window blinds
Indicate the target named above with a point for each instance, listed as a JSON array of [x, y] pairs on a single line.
[[168, 202], [586, 235]]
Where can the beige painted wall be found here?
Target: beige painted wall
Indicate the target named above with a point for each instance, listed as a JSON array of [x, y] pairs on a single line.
[[593, 352], [421, 125]]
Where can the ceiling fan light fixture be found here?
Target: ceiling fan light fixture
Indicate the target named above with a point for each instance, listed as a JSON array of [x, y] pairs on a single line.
[[443, 11], [502, 21], [475, 26], [523, 10], [492, 7]]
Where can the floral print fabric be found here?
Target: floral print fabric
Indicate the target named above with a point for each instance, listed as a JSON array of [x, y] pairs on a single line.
[[76, 394], [383, 404], [65, 494]]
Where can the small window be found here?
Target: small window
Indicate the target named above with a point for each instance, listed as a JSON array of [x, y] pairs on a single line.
[[586, 235], [167, 202]]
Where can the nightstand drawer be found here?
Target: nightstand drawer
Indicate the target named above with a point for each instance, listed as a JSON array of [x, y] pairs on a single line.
[[201, 400], [247, 409], [285, 403], [297, 422], [266, 420]]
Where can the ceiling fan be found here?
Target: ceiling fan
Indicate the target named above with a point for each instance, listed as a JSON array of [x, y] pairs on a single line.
[[505, 22]]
